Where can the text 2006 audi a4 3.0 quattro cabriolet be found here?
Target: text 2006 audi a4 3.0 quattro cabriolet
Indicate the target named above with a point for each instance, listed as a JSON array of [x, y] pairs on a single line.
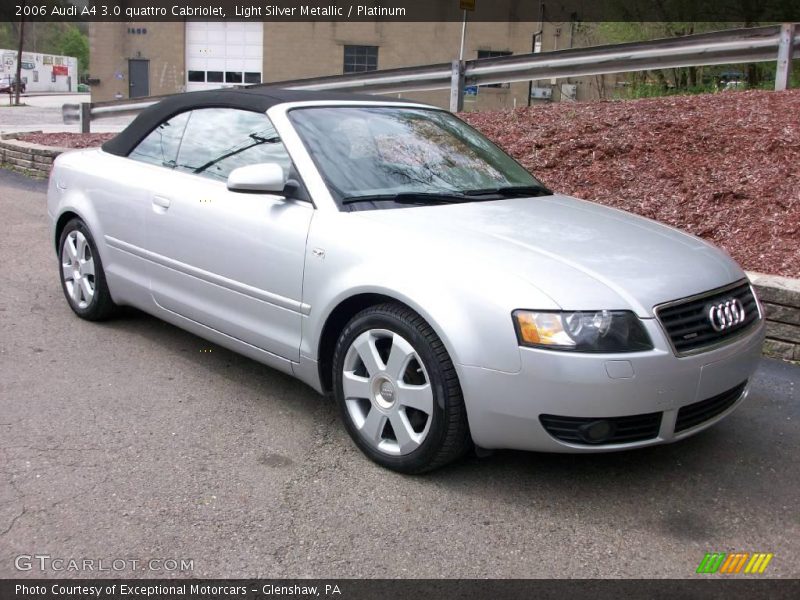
[[388, 253]]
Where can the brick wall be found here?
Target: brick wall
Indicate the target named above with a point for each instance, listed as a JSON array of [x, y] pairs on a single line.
[[112, 46]]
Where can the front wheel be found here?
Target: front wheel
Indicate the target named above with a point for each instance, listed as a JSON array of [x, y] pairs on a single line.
[[398, 391]]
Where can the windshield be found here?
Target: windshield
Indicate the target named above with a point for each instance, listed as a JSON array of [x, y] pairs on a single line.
[[401, 155]]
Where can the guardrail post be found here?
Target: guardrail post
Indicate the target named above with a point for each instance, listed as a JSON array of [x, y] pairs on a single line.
[[457, 86], [86, 117], [784, 71]]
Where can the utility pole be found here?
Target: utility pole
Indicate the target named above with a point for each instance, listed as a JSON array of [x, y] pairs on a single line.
[[18, 83], [463, 35], [457, 70], [538, 36], [465, 5]]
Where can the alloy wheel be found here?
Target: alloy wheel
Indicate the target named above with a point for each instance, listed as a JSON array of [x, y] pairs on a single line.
[[77, 269], [387, 392]]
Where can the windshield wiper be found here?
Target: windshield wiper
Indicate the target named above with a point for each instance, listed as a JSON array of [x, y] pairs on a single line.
[[257, 140], [410, 198], [511, 191]]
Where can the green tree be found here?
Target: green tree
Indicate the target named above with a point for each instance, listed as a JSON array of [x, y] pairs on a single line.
[[677, 78], [671, 18], [9, 35], [657, 82], [74, 43]]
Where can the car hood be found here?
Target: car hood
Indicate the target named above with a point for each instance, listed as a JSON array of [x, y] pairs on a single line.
[[584, 256]]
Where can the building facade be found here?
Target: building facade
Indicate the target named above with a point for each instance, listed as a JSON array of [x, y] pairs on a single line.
[[40, 72], [134, 59]]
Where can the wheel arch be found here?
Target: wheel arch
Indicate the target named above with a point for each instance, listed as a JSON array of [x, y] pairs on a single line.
[[474, 326], [335, 322], [76, 204], [64, 218], [345, 310]]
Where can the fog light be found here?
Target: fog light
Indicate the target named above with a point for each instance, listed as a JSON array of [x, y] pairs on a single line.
[[596, 432]]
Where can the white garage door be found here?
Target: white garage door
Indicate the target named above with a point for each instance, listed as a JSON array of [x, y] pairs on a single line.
[[223, 54]]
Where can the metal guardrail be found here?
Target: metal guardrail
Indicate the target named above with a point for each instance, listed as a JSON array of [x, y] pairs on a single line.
[[778, 43]]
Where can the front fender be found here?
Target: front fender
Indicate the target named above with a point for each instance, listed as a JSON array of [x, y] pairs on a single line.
[[469, 307]]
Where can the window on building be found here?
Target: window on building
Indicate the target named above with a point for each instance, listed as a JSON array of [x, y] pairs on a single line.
[[218, 140], [494, 54], [214, 76], [160, 147], [358, 59], [197, 76], [233, 77], [252, 77]]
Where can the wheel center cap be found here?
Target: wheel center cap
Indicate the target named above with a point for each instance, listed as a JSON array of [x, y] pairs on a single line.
[[385, 393]]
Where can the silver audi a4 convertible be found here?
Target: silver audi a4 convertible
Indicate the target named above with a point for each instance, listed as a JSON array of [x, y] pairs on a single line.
[[388, 254]]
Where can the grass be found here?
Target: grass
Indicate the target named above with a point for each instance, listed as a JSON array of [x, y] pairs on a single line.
[[652, 90], [22, 171]]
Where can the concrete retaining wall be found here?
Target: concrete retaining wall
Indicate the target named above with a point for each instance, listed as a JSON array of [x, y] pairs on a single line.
[[780, 296], [34, 159]]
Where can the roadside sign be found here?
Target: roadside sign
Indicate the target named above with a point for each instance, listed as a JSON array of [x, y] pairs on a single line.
[[471, 90], [467, 4]]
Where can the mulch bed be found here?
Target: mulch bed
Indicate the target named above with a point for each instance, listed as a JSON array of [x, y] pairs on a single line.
[[67, 140], [725, 167]]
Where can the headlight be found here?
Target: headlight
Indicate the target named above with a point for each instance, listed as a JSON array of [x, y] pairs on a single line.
[[584, 331]]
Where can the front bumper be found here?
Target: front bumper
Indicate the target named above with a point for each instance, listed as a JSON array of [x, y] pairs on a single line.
[[504, 409]]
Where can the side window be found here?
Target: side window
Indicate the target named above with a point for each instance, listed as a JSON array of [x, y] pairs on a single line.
[[218, 140], [161, 145]]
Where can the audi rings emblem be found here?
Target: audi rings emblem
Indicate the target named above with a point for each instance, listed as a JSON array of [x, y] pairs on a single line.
[[726, 314]]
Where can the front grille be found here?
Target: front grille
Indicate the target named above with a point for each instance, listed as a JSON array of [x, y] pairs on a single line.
[[634, 428], [687, 321], [699, 412]]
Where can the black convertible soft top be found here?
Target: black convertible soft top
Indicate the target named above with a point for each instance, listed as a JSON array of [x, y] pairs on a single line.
[[254, 99]]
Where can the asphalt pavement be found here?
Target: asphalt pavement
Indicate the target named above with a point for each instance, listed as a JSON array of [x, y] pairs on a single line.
[[134, 440]]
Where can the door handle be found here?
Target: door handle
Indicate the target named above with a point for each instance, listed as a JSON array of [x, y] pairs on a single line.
[[161, 201]]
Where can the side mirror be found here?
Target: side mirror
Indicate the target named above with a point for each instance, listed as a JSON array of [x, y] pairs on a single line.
[[263, 177]]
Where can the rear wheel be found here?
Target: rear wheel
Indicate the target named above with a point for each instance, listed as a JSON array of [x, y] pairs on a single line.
[[82, 276], [398, 391]]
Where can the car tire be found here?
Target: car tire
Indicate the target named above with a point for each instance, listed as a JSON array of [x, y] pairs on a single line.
[[398, 391], [81, 273]]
